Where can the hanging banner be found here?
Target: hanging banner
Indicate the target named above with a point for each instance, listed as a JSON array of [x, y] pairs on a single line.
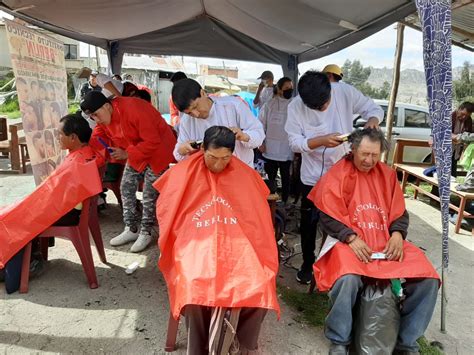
[[41, 83]]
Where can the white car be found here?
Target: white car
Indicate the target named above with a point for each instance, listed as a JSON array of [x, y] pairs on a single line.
[[411, 122]]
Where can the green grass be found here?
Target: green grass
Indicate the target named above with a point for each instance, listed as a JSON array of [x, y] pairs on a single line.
[[410, 191], [312, 309], [428, 349], [73, 107]]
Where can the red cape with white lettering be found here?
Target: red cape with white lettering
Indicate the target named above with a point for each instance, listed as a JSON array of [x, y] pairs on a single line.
[[367, 203], [76, 179], [217, 241]]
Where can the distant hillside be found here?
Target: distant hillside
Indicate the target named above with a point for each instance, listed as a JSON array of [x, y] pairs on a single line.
[[412, 83]]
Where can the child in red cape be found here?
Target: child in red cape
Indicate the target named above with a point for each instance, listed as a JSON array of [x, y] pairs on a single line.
[[217, 241]]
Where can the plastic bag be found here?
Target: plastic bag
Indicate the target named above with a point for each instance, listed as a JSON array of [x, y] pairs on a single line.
[[378, 321]]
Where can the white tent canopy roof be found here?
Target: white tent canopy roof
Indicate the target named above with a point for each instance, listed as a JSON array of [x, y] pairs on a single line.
[[265, 30]]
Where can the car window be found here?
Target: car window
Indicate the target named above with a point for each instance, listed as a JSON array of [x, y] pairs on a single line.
[[419, 119], [395, 116]]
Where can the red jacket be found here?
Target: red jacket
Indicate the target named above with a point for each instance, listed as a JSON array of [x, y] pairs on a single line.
[[138, 128]]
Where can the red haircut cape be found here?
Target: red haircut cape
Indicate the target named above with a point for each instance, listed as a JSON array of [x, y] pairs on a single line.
[[367, 203], [76, 179], [217, 241]]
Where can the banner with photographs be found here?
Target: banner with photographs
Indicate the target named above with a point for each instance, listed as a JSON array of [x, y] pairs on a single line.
[[41, 82]]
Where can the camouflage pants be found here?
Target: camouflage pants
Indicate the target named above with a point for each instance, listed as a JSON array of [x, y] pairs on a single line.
[[128, 189]]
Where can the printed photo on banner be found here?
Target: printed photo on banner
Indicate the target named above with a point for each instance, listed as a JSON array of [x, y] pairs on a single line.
[[41, 82]]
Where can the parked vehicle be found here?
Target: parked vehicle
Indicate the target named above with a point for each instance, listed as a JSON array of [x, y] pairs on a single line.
[[411, 122]]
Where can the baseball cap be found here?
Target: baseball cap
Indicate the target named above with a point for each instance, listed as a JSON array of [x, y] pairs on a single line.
[[94, 73], [267, 74], [334, 69], [93, 101]]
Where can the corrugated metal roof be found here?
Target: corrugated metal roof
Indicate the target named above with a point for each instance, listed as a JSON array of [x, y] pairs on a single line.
[[462, 23]]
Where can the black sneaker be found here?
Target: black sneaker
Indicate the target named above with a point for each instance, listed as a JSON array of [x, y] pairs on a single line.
[[304, 276]]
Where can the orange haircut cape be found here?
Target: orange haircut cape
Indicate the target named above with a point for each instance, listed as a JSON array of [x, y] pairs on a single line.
[[76, 179], [217, 241], [367, 203]]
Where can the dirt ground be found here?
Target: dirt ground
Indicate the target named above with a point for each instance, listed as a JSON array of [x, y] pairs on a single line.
[[129, 313]]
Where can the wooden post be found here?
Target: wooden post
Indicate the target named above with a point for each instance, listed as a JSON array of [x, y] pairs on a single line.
[[395, 82]]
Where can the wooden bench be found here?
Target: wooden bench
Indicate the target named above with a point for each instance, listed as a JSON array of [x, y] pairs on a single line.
[[13, 146], [416, 171]]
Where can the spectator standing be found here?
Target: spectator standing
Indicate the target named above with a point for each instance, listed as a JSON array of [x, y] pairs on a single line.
[[265, 89], [276, 147], [91, 85]]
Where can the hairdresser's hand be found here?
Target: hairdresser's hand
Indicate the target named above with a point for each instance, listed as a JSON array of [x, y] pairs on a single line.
[[331, 140], [239, 134], [119, 154], [373, 122], [186, 148]]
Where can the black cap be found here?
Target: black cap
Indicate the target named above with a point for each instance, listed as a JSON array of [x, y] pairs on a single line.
[[93, 101]]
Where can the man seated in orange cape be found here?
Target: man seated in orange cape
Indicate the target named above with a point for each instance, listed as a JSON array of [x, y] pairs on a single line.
[[217, 242], [363, 211], [57, 200]]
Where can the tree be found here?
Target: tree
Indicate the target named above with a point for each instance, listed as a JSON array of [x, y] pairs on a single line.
[[356, 75], [463, 89]]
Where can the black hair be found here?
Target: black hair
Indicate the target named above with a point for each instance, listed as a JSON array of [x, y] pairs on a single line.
[[469, 106], [373, 134], [74, 123], [144, 95], [314, 89], [185, 91], [282, 82], [117, 77], [129, 89], [179, 75], [217, 137]]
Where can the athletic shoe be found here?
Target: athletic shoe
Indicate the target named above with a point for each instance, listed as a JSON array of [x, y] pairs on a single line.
[[144, 239], [125, 237], [304, 276]]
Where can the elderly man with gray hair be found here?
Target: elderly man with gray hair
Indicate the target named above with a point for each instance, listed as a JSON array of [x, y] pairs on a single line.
[[363, 209]]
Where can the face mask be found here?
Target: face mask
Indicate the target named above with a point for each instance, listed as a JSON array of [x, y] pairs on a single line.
[[288, 93]]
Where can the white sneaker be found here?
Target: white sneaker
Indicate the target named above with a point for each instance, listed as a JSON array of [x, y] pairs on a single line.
[[125, 237], [144, 239]]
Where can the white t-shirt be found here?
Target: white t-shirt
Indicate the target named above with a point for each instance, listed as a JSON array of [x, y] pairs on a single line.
[[303, 124], [273, 116], [265, 95], [103, 79], [228, 112]]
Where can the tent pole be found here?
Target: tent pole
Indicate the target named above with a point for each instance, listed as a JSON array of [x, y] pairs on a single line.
[[115, 56], [395, 83], [290, 69], [443, 300]]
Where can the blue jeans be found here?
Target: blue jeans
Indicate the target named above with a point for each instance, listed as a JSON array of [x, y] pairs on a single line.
[[415, 314]]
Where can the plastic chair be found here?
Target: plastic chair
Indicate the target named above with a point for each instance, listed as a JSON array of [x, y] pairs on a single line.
[[171, 334], [114, 185], [79, 236]]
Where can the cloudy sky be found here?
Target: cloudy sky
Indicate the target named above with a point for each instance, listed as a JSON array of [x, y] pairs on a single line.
[[376, 51]]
